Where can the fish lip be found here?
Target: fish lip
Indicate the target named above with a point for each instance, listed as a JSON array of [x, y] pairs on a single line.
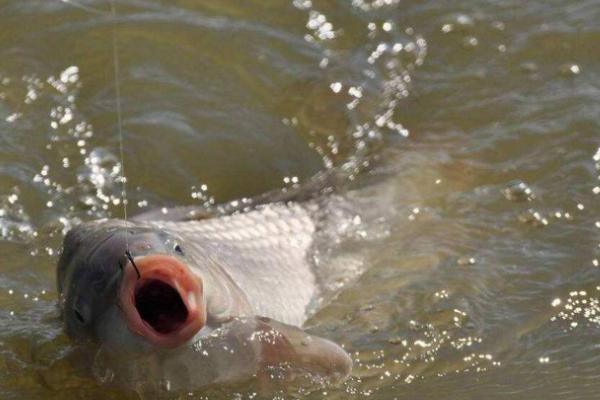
[[175, 273]]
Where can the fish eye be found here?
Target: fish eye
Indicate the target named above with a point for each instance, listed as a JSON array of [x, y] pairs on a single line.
[[178, 249]]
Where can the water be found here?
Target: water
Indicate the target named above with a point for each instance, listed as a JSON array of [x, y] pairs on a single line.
[[472, 237]]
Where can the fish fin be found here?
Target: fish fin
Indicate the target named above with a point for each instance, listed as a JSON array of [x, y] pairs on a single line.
[[292, 352], [321, 183], [177, 214]]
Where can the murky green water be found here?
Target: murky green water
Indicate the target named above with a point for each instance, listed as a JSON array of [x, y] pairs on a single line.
[[474, 232]]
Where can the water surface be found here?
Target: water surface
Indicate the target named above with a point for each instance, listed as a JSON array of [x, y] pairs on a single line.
[[472, 239]]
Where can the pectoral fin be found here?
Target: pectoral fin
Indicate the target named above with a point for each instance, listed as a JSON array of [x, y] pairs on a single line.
[[277, 355], [298, 352], [265, 348]]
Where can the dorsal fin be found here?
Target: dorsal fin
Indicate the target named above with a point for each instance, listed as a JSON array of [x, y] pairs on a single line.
[[322, 183]]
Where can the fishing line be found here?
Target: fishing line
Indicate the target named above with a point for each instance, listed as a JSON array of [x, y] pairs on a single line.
[[130, 258], [116, 66], [116, 71], [84, 7]]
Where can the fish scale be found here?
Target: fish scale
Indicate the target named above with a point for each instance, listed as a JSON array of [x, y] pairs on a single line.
[[264, 251]]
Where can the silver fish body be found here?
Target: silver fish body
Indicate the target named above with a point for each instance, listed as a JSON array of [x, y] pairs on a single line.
[[264, 254], [198, 302]]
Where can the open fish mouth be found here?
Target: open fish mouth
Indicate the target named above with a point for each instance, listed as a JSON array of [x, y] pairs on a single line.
[[164, 304], [160, 305]]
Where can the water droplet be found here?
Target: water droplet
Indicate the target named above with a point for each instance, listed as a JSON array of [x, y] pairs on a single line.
[[556, 302], [462, 261], [336, 87], [533, 218], [570, 69], [518, 191], [470, 41]]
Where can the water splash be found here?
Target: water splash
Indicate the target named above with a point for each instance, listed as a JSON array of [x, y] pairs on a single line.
[[15, 223], [368, 97]]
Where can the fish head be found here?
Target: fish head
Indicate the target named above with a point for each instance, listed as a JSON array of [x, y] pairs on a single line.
[[128, 287]]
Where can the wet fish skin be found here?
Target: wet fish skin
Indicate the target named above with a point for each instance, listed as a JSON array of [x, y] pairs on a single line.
[[253, 265], [240, 349], [264, 252]]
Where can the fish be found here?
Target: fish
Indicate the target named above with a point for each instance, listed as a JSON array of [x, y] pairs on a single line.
[[198, 299]]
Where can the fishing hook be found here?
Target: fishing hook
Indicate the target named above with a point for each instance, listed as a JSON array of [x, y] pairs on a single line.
[[130, 258]]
